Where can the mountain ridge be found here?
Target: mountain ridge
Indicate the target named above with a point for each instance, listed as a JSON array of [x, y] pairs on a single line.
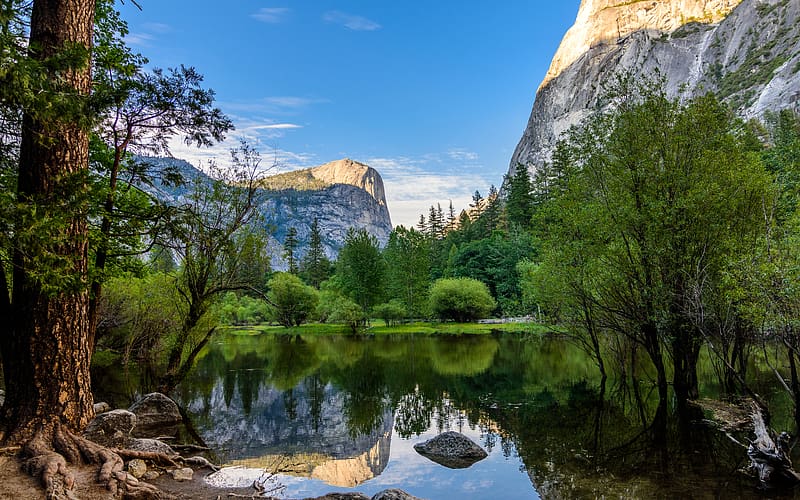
[[750, 58]]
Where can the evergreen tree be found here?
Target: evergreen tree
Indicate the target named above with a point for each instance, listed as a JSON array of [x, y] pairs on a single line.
[[519, 198], [315, 264], [289, 249]]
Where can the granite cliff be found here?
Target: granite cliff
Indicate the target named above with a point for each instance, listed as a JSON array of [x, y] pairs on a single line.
[[340, 195], [746, 51]]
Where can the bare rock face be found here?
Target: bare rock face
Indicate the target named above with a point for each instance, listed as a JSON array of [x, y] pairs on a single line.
[[451, 449], [746, 51], [610, 20], [353, 173]]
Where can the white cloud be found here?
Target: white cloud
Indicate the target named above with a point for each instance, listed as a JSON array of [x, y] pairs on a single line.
[[157, 27], [349, 21], [276, 126], [463, 155], [139, 39], [274, 105], [271, 15]]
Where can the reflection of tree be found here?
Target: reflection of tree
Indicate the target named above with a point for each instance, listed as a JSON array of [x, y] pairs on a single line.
[[316, 394], [413, 414], [292, 359], [464, 355]]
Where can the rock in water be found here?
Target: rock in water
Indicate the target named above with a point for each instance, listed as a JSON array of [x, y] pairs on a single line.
[[112, 428], [451, 449], [153, 412], [393, 494]]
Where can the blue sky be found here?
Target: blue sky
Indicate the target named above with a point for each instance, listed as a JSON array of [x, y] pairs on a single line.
[[433, 94]]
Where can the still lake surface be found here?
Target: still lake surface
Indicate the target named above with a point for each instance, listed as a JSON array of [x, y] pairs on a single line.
[[342, 413]]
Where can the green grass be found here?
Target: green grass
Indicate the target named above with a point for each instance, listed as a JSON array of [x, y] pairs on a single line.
[[378, 328]]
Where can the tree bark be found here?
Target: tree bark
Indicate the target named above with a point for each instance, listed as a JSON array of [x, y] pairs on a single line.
[[45, 344]]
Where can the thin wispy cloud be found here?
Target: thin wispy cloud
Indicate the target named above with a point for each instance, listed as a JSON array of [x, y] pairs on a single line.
[[349, 21], [276, 126], [412, 185], [139, 39], [157, 27], [275, 105], [462, 155], [271, 15]]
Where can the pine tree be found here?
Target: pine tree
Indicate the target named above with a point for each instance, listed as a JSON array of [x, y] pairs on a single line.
[[289, 248], [315, 264]]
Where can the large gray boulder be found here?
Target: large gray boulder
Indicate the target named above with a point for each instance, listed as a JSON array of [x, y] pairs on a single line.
[[112, 428], [394, 494], [451, 449], [154, 412], [150, 446]]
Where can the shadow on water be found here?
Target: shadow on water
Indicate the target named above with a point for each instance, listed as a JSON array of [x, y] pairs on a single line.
[[343, 407]]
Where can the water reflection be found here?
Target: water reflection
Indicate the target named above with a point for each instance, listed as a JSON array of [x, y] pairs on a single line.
[[345, 410]]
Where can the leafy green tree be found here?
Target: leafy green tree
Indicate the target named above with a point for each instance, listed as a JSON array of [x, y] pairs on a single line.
[[408, 268], [361, 269], [336, 308], [652, 215], [219, 225], [391, 312], [315, 267], [293, 301], [460, 299]]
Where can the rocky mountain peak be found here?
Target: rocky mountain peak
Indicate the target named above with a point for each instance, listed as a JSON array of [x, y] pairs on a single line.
[[353, 173], [601, 21], [745, 51]]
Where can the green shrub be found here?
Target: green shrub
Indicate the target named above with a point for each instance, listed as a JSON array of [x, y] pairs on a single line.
[[291, 300], [335, 308], [460, 299], [391, 313]]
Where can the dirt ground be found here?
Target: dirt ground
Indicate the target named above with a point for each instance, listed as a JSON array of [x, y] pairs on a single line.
[[15, 484]]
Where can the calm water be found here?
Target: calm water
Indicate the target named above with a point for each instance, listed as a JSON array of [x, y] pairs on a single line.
[[341, 413]]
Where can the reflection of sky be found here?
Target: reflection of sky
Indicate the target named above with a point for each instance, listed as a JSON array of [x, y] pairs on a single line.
[[497, 476]]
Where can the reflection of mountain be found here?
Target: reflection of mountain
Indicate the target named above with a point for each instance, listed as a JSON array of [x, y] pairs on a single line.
[[307, 422]]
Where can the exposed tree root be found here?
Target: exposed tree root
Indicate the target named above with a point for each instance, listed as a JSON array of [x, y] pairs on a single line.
[[50, 450], [159, 458]]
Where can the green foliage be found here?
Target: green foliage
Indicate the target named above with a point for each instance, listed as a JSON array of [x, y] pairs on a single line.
[[407, 255], [460, 299], [140, 316], [292, 301], [335, 308], [652, 216], [519, 198], [391, 313], [241, 309], [289, 249], [361, 269], [315, 266]]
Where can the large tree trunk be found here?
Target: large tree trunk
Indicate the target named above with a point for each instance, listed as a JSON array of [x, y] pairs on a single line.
[[45, 344]]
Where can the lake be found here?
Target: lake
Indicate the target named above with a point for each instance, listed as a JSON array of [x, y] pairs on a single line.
[[342, 413]]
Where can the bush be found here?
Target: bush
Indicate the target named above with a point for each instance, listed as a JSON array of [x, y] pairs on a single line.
[[460, 299], [335, 308], [391, 313], [292, 301]]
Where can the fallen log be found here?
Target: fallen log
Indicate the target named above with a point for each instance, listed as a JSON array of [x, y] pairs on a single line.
[[769, 455]]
